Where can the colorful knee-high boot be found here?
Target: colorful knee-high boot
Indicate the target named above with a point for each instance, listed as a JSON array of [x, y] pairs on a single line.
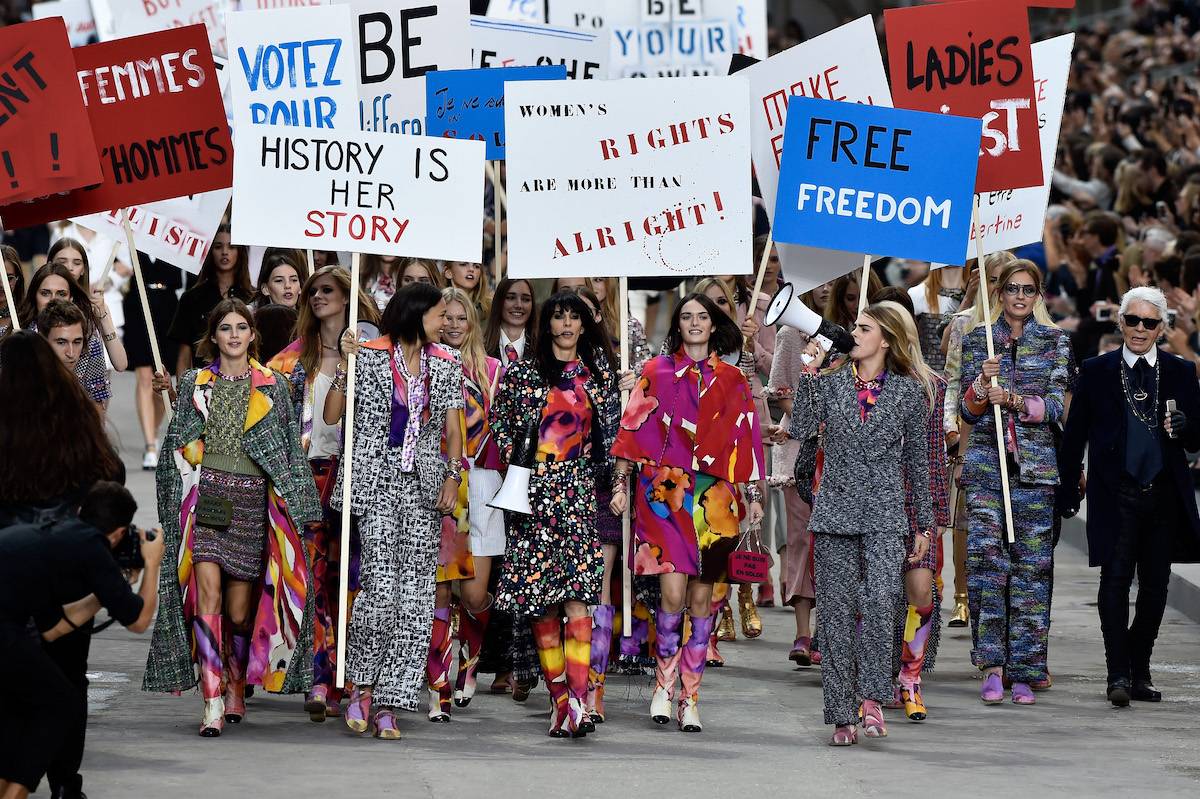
[[471, 629], [547, 637], [602, 628], [206, 630], [667, 654], [577, 651], [918, 625], [691, 671], [631, 646], [721, 610], [237, 656], [437, 667]]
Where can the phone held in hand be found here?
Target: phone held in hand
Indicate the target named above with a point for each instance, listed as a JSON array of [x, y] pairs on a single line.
[[1171, 407]]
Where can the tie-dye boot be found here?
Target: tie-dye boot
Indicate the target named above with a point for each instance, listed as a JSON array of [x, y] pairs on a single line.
[[667, 653], [207, 632], [917, 627], [437, 667], [602, 628], [237, 656], [577, 651], [691, 671], [547, 636], [471, 629]]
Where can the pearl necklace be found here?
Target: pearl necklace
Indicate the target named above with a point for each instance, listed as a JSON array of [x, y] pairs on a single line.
[[1132, 398]]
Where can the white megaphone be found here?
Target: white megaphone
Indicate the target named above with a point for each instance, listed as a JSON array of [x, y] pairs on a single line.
[[787, 308], [514, 491]]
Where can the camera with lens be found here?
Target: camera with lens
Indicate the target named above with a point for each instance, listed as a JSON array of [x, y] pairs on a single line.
[[128, 551]]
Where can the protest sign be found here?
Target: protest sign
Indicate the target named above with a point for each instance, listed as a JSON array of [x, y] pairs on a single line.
[[132, 17], [902, 180], [972, 58], [155, 108], [498, 43], [46, 142], [178, 231], [628, 178], [361, 192], [1014, 217], [842, 65], [396, 42], [293, 67], [469, 103], [518, 10], [77, 14]]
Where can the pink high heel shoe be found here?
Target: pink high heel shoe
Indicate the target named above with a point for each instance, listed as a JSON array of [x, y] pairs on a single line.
[[358, 712], [872, 720]]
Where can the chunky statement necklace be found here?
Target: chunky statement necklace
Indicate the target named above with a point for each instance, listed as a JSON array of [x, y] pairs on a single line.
[[1134, 397], [234, 378]]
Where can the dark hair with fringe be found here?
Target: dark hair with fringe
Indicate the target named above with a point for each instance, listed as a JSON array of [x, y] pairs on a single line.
[[593, 344], [726, 335]]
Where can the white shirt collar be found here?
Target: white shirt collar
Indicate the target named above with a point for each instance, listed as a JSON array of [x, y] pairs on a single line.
[[1131, 357]]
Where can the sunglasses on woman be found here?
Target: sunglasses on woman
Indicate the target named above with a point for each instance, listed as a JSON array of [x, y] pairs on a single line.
[[1013, 289], [1133, 320]]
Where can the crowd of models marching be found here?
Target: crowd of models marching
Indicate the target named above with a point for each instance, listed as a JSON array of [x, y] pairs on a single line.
[[455, 385]]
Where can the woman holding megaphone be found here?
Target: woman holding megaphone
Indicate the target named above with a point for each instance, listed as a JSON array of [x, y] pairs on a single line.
[[548, 420]]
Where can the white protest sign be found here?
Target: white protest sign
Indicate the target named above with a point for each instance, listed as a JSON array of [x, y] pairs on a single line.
[[81, 25], [178, 231], [133, 17], [628, 178], [497, 43], [518, 11], [1015, 217], [293, 67], [356, 191], [844, 64], [395, 43]]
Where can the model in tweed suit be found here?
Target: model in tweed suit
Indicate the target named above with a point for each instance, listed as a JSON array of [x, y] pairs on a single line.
[[859, 524], [399, 526], [1008, 586]]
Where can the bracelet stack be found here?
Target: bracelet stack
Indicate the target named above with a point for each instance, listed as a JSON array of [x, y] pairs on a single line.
[[339, 380], [753, 493], [619, 484]]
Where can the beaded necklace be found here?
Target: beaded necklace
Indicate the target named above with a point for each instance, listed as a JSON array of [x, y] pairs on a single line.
[[1133, 398]]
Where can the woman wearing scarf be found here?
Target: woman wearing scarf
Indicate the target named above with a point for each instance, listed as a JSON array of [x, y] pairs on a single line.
[[408, 394], [692, 427]]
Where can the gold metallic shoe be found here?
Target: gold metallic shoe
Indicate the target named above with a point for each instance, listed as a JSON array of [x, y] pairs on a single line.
[[725, 631], [751, 623], [962, 614]]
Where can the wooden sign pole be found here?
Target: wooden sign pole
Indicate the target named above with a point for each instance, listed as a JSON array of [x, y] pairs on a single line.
[[108, 266], [498, 234], [12, 305], [864, 284], [758, 279], [985, 300], [141, 284], [626, 536], [347, 475]]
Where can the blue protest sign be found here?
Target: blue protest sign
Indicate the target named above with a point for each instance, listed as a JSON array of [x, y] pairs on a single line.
[[886, 181], [469, 103]]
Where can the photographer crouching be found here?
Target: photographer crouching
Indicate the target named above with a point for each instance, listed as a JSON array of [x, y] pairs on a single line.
[[55, 575]]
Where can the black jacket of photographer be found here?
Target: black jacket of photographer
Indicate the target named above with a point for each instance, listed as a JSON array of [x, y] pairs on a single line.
[[54, 562]]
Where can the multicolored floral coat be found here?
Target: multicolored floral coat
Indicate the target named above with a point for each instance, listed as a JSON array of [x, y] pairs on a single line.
[[283, 619]]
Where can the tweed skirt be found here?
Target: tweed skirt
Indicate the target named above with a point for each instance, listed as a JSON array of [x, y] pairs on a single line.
[[239, 548]]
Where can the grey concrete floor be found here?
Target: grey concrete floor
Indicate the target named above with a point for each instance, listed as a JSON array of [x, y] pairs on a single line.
[[763, 732]]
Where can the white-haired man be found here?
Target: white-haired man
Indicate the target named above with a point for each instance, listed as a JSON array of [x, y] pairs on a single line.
[[1137, 409]]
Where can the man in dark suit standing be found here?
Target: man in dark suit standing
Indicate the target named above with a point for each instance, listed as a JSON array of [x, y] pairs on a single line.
[[1137, 409]]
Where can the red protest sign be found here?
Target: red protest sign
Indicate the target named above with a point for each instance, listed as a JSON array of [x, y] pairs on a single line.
[[46, 141], [159, 123], [972, 58]]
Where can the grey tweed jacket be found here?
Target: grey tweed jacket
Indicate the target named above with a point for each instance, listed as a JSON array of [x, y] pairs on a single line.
[[862, 485]]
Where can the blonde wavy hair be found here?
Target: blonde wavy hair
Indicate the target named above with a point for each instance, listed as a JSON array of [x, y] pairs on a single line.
[[473, 354], [308, 326], [904, 345], [996, 260], [1040, 312]]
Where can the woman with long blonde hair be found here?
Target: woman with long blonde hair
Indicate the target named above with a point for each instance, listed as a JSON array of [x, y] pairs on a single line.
[[473, 533], [875, 413], [315, 366]]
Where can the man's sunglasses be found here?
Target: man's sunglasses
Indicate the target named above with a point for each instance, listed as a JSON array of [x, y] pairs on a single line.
[[1013, 289], [1133, 320]]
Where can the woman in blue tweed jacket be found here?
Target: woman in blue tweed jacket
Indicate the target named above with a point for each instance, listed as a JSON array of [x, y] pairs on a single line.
[[875, 413], [1008, 585]]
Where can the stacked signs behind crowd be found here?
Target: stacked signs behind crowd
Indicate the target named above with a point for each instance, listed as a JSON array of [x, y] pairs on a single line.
[[1014, 217], [469, 103], [46, 143], [363, 192], [292, 67], [156, 113], [77, 14], [502, 43], [972, 58], [902, 180], [132, 17], [634, 178], [843, 65], [396, 43]]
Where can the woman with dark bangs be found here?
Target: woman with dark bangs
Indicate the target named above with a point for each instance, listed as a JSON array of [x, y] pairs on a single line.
[[225, 275], [555, 404]]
